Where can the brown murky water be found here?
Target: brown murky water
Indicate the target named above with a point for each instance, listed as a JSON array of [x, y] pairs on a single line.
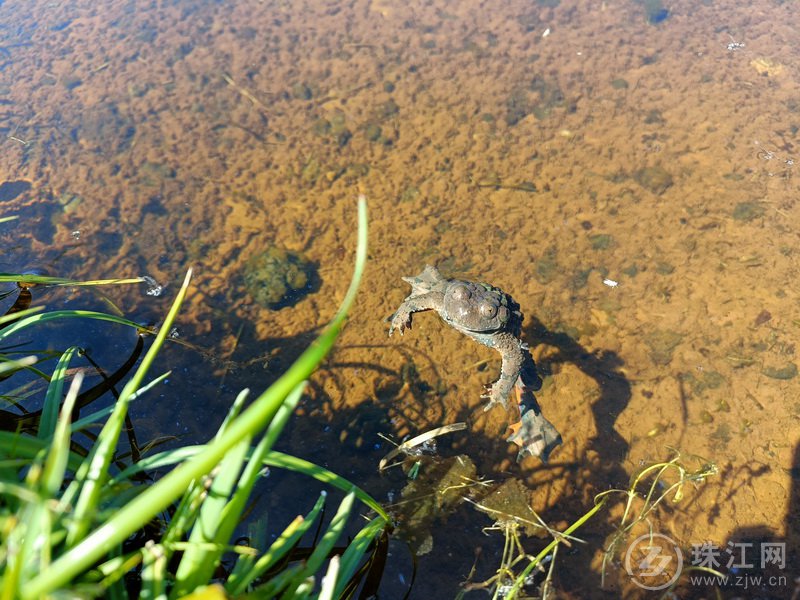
[[541, 146]]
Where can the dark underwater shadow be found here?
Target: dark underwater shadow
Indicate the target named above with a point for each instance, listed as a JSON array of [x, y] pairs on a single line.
[[614, 392], [603, 456], [756, 561]]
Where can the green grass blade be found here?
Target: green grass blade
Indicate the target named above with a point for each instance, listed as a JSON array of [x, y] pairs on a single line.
[[184, 516], [352, 557], [13, 445], [198, 561], [30, 279], [114, 570], [279, 422], [229, 517], [273, 459], [323, 547], [257, 534], [52, 398], [255, 465], [328, 589], [154, 569], [23, 558], [58, 453], [157, 497], [519, 582], [275, 585], [38, 319], [20, 314], [92, 477], [97, 416], [9, 365], [279, 548], [299, 465], [157, 461], [234, 411]]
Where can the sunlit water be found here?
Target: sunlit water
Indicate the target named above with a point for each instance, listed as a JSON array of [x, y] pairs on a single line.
[[626, 170]]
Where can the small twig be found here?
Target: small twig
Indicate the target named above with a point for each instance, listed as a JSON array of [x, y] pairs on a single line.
[[244, 92]]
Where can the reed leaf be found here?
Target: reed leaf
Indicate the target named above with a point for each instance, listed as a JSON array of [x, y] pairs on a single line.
[[198, 561], [58, 450], [39, 318], [287, 540], [225, 521], [355, 552], [92, 475], [323, 547], [52, 398], [30, 280]]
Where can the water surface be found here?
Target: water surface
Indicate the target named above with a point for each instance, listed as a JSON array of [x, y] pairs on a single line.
[[624, 169]]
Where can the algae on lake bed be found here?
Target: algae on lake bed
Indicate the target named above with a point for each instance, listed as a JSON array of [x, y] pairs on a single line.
[[278, 277]]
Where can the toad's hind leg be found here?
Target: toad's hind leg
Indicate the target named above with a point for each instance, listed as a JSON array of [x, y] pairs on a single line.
[[513, 352]]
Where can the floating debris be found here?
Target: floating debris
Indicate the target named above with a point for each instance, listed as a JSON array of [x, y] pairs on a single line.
[[153, 287], [511, 502], [408, 446], [438, 488]]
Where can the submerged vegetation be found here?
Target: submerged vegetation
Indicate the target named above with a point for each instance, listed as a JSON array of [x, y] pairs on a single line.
[[277, 277]]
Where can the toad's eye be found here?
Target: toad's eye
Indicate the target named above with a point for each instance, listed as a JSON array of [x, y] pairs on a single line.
[[488, 310], [461, 292]]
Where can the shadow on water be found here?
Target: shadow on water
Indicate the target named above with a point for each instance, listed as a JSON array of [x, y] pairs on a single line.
[[405, 402], [614, 393], [754, 558], [601, 466]]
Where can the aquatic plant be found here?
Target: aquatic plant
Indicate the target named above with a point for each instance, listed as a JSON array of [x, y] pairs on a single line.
[[648, 488], [75, 521]]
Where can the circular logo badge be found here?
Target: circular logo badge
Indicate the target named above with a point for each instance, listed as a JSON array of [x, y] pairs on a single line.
[[654, 561]]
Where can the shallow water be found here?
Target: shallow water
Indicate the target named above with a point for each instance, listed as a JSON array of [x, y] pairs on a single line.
[[631, 183]]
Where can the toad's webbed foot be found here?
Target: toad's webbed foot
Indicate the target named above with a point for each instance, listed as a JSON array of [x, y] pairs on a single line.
[[497, 393], [534, 435], [401, 320]]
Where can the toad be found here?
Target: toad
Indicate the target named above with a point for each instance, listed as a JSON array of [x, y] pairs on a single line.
[[491, 317]]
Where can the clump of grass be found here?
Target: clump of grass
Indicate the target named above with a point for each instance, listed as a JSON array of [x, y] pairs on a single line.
[[517, 568], [77, 524], [649, 487]]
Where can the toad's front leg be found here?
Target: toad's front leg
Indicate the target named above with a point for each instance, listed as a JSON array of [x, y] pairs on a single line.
[[513, 353], [401, 319]]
